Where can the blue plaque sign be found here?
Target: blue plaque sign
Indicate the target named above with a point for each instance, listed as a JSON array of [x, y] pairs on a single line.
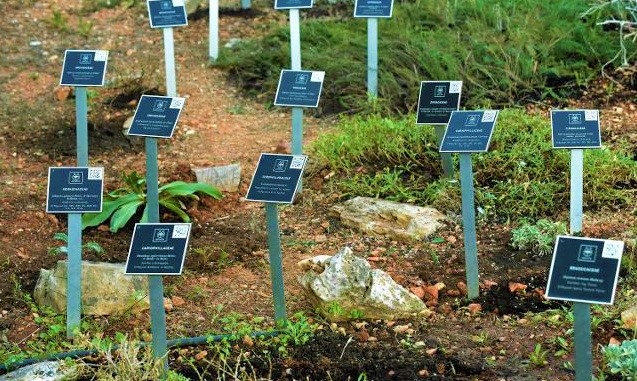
[[156, 116], [75, 190], [584, 270], [158, 249], [167, 13], [84, 68], [276, 178], [299, 88], [437, 100], [292, 4], [469, 131], [373, 8], [575, 129]]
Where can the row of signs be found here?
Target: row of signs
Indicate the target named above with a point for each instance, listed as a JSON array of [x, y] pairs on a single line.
[[160, 248], [172, 13], [471, 131], [582, 270], [362, 8]]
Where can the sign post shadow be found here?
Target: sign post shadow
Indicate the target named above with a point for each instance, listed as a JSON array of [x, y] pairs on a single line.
[[81, 68], [275, 181], [468, 132]]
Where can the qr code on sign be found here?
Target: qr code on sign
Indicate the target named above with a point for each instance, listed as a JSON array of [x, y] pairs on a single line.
[[181, 230], [489, 116], [95, 173], [297, 162]]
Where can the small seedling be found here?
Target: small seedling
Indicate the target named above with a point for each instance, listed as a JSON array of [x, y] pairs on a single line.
[[64, 238], [538, 357]]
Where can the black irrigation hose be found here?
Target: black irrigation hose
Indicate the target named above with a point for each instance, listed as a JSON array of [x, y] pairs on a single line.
[[78, 353]]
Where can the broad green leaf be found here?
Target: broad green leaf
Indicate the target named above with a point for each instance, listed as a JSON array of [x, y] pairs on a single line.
[[174, 207], [180, 188], [121, 216], [108, 208]]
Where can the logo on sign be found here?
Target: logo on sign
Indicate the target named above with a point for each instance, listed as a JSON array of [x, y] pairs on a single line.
[[160, 106], [587, 253], [472, 120], [574, 118], [302, 79], [86, 58], [439, 91], [160, 235], [76, 178], [166, 5], [280, 165]]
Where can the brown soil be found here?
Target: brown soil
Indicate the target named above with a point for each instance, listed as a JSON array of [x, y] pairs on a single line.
[[227, 262]]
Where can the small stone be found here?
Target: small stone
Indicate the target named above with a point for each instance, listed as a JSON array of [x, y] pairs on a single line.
[[104, 228], [487, 284], [462, 287], [423, 373], [431, 351], [178, 301], [62, 93], [201, 355], [168, 305], [419, 291], [474, 308], [363, 336], [516, 287]]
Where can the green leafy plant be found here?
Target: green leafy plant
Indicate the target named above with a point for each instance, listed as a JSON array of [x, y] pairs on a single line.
[[121, 204], [64, 249], [538, 357], [58, 21], [622, 359], [539, 237]]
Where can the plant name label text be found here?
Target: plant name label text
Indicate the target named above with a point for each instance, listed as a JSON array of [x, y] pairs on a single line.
[[158, 249], [575, 129], [373, 8], [156, 116], [75, 190], [299, 88], [84, 68], [276, 178], [292, 4], [469, 131], [584, 270], [437, 100], [167, 13]]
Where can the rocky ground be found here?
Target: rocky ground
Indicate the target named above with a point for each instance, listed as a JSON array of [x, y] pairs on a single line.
[[227, 263]]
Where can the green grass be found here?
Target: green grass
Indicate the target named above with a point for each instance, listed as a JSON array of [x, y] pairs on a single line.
[[506, 52], [521, 176]]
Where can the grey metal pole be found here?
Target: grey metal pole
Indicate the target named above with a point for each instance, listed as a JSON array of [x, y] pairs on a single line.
[[372, 57], [276, 263], [468, 226], [581, 311], [74, 260]]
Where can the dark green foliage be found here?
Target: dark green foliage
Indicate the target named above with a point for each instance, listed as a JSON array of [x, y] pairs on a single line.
[[506, 52]]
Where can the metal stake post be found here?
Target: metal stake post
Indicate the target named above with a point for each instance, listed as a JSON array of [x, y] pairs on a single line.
[[74, 264], [372, 57], [581, 311], [468, 226], [276, 266]]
